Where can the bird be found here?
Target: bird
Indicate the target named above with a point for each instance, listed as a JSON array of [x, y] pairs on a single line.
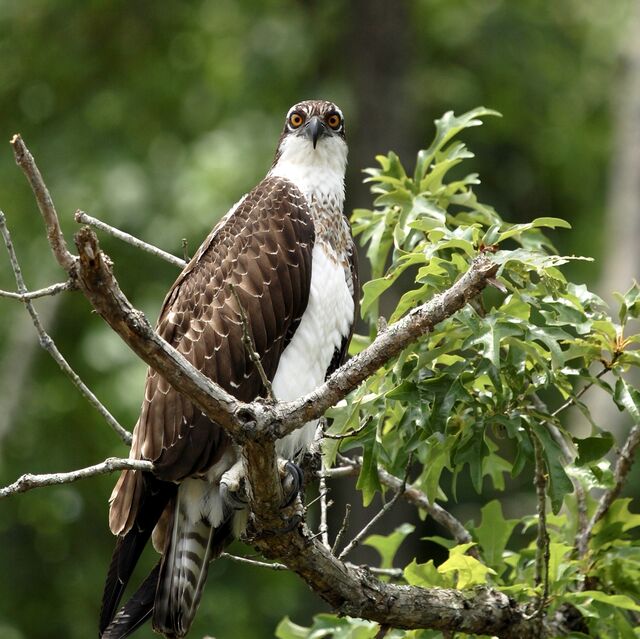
[[281, 265]]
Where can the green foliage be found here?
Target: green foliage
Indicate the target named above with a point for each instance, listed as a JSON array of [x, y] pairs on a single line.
[[465, 400]]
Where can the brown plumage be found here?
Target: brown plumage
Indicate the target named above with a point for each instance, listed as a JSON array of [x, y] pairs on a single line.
[[261, 253]]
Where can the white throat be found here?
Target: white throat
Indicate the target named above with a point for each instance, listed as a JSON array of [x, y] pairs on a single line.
[[319, 172]]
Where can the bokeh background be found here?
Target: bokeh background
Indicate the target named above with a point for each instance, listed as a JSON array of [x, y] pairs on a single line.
[[157, 116]]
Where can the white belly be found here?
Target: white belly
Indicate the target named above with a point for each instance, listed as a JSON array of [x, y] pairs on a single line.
[[325, 323]]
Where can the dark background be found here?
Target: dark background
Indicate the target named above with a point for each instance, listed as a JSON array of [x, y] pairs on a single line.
[[157, 116]]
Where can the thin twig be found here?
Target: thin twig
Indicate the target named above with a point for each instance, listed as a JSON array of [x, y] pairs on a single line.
[[542, 542], [351, 467], [185, 249], [569, 454], [324, 527], [83, 218], [343, 529], [351, 433], [388, 506], [110, 465], [573, 399], [48, 344], [25, 161], [254, 562], [624, 461], [250, 346], [54, 289]]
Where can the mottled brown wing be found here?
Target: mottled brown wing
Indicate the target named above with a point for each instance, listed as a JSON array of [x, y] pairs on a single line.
[[262, 249]]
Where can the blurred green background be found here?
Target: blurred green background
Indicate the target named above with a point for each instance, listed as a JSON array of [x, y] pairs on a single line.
[[157, 116]]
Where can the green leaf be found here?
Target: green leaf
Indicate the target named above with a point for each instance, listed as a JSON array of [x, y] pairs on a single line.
[[592, 449], [493, 532], [619, 601], [559, 483], [286, 629], [518, 229], [368, 480], [629, 398], [425, 575], [387, 545], [468, 570]]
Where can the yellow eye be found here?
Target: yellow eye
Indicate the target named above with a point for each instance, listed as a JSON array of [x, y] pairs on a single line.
[[334, 121], [295, 120]]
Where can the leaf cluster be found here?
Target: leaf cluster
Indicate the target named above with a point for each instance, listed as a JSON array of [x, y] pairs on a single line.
[[466, 401]]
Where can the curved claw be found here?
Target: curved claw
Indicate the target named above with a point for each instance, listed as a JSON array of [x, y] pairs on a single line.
[[234, 499], [292, 483]]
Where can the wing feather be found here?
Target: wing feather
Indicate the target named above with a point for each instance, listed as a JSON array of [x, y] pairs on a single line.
[[264, 248]]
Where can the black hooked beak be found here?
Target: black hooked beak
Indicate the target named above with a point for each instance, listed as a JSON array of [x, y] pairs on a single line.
[[314, 129]]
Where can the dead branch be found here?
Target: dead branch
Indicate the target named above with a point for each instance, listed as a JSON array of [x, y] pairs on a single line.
[[385, 508], [624, 461], [276, 533], [58, 245], [83, 218], [542, 541], [110, 465], [48, 344], [54, 289], [352, 467]]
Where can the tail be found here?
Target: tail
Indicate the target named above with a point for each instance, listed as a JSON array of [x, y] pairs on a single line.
[[136, 611], [193, 544], [155, 497]]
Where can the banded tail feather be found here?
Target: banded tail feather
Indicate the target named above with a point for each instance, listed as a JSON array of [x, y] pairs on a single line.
[[185, 565], [129, 546]]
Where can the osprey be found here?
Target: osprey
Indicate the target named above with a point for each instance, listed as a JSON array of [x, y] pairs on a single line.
[[285, 254]]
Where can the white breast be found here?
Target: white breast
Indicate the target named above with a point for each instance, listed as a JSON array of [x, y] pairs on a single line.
[[325, 323]]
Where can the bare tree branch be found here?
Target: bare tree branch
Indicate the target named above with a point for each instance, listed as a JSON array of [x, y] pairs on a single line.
[[322, 487], [385, 508], [624, 461], [271, 565], [110, 465], [413, 496], [291, 415], [54, 289], [281, 533], [343, 529], [83, 218], [97, 282], [48, 344], [542, 542], [25, 161]]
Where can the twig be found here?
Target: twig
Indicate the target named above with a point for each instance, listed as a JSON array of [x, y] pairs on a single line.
[[351, 433], [624, 461], [572, 400], [110, 465], [25, 161], [288, 416], [254, 562], [250, 347], [542, 543], [358, 538], [83, 218], [412, 495], [54, 289], [324, 527], [185, 249], [48, 344], [343, 529]]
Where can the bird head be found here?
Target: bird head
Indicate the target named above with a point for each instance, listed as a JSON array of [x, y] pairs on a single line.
[[313, 133]]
